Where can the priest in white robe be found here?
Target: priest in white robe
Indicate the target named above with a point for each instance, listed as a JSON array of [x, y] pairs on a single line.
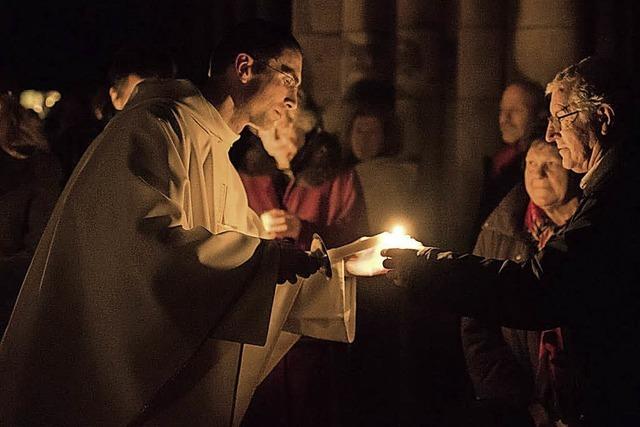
[[151, 298]]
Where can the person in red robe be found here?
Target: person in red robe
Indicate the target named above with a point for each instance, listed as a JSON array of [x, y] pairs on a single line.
[[295, 180]]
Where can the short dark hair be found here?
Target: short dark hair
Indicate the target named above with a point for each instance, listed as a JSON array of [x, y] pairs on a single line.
[[144, 60], [261, 39]]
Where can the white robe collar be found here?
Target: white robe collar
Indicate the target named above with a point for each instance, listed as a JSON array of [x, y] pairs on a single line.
[[187, 93]]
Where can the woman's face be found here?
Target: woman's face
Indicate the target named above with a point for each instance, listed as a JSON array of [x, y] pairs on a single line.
[[545, 179], [367, 137]]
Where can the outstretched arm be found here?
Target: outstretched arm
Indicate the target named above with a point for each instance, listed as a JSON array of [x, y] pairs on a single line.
[[542, 293]]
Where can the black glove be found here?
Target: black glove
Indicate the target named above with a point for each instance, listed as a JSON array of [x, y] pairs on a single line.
[[294, 262], [409, 266]]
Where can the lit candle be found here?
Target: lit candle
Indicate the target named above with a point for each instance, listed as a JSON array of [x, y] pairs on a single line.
[[367, 260], [398, 238], [359, 245]]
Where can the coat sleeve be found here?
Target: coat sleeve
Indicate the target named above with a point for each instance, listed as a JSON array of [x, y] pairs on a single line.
[[494, 371], [492, 366], [44, 191], [538, 294]]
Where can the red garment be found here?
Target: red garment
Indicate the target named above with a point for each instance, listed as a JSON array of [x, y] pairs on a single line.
[[503, 159], [334, 209], [549, 375], [301, 390], [538, 224]]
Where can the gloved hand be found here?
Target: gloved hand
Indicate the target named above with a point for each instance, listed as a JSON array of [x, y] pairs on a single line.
[[408, 266], [294, 262]]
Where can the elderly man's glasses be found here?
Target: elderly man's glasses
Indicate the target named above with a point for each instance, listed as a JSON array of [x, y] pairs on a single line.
[[556, 119], [288, 79]]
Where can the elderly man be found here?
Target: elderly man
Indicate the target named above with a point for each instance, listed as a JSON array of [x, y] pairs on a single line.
[[151, 298], [586, 278]]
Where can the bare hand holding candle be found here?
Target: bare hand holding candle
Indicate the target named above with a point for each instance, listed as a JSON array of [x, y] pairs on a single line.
[[281, 224], [364, 257]]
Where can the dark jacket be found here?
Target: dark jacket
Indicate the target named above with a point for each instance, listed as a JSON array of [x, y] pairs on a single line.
[[29, 189], [502, 173], [502, 361], [585, 280]]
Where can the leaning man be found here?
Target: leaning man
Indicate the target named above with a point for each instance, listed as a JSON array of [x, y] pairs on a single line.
[[151, 299]]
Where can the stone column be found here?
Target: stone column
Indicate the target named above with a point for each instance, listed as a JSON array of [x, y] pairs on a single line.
[[367, 36], [479, 84], [421, 104], [366, 50], [418, 80], [317, 24], [548, 37]]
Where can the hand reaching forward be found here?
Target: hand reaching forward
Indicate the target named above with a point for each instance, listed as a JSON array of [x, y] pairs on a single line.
[[281, 224], [407, 266], [294, 262]]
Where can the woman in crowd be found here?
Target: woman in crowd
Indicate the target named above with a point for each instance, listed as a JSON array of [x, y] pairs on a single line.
[[371, 143], [517, 374], [297, 182], [30, 180], [295, 179]]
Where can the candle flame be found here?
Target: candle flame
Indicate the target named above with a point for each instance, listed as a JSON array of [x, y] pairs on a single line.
[[369, 262], [398, 229]]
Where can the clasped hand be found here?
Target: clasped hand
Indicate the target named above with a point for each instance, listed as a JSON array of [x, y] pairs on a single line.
[[281, 224], [294, 262]]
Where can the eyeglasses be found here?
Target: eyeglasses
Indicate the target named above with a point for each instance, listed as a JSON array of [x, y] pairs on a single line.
[[289, 80], [556, 119]]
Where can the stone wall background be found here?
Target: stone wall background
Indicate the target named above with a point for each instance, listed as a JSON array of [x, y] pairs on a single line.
[[448, 62]]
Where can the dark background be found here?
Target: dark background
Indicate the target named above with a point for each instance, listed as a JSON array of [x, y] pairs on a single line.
[[68, 44]]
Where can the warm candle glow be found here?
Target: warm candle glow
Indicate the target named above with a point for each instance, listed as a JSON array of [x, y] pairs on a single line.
[[398, 238], [369, 262], [398, 229]]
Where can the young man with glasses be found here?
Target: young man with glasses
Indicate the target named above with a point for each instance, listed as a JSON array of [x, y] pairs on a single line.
[[152, 298]]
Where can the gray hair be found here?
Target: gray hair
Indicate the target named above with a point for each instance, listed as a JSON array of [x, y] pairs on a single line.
[[588, 83]]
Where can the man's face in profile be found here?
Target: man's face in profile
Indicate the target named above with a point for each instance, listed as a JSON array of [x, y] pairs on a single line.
[[275, 89], [573, 134]]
